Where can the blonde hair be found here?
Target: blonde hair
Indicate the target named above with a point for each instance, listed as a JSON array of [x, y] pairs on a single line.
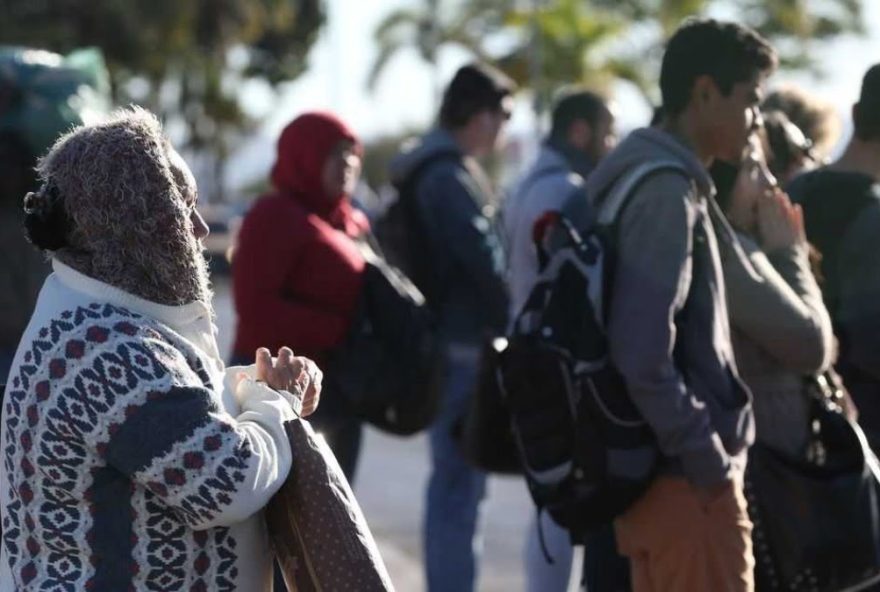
[[815, 118]]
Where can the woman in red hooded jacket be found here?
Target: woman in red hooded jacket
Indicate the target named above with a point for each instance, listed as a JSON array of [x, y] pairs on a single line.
[[297, 271]]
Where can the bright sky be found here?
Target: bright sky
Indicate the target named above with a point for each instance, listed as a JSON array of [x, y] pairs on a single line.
[[340, 61]]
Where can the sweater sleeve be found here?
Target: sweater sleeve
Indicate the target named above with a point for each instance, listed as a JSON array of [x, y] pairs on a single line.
[[268, 248], [778, 305], [652, 280], [156, 421]]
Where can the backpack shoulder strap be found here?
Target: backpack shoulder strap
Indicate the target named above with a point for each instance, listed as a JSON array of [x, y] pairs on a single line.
[[610, 208], [579, 213], [529, 183], [411, 179]]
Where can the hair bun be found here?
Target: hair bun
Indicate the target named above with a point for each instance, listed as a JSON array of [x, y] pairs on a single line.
[[46, 222]]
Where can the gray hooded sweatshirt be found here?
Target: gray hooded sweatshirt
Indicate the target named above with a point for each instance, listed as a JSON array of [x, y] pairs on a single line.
[[668, 324]]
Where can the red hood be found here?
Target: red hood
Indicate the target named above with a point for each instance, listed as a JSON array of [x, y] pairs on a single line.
[[303, 149]]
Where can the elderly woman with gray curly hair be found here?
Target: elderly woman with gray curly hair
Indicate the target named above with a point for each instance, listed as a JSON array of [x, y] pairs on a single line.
[[132, 460]]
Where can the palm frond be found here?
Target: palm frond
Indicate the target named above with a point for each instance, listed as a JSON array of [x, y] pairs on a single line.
[[398, 19], [386, 52]]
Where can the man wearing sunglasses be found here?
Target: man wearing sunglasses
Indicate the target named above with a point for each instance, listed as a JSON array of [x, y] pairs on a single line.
[[459, 266]]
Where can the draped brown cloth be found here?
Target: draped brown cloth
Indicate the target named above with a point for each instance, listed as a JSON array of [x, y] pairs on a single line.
[[316, 526]]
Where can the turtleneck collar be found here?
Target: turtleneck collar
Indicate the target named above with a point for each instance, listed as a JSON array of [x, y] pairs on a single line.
[[173, 316]]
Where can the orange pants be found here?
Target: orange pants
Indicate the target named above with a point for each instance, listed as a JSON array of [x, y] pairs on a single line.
[[678, 543]]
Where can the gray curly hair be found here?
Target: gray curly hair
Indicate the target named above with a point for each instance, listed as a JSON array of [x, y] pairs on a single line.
[[129, 196]]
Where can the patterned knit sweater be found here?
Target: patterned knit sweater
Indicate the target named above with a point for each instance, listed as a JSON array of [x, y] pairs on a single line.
[[128, 462]]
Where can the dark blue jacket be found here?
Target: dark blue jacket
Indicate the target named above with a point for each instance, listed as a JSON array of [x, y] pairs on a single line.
[[467, 265]]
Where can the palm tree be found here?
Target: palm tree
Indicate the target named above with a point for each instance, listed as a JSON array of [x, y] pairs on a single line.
[[558, 43], [574, 36], [795, 30], [427, 29]]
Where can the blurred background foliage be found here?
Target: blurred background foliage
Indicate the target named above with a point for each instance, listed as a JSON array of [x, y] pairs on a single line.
[[550, 43], [183, 59], [187, 59]]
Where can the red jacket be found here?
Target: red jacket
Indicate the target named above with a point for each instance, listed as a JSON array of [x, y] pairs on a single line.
[[297, 272]]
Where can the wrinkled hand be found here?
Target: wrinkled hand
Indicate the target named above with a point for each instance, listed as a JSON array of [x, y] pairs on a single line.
[[295, 374], [780, 223]]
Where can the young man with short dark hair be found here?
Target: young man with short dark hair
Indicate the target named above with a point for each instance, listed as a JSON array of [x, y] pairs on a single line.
[[463, 280], [841, 204], [668, 325]]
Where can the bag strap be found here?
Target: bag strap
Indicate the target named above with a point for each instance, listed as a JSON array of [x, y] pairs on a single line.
[[406, 190], [611, 207], [414, 217], [579, 214], [410, 181]]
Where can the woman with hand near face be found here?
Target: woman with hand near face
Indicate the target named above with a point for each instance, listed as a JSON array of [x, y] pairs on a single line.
[[297, 271], [781, 331]]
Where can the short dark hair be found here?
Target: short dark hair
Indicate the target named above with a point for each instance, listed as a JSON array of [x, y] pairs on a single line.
[[574, 105], [866, 115], [727, 52], [474, 88]]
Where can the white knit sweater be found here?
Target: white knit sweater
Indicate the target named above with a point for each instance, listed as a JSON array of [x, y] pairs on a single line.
[[128, 461]]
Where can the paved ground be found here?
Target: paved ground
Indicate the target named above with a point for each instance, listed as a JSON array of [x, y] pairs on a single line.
[[390, 487]]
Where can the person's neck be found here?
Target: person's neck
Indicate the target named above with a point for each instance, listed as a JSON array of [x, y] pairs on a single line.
[[682, 127], [860, 156]]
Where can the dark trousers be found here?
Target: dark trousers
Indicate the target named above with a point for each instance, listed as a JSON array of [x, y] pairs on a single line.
[[605, 570]]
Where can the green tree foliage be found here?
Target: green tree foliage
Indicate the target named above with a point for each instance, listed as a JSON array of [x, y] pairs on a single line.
[[432, 25], [593, 42], [184, 59], [562, 42], [795, 26]]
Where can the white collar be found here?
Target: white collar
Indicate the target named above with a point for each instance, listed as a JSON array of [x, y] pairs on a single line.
[[173, 316]]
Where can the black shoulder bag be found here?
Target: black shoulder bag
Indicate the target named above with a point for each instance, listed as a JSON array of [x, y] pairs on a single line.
[[816, 514]]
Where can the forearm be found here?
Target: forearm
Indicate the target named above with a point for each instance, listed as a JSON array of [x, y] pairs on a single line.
[[780, 308]]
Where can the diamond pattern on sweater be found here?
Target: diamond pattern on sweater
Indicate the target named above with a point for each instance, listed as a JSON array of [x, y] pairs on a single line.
[[87, 374]]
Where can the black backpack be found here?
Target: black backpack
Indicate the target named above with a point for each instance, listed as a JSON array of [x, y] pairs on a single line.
[[585, 450], [390, 367], [400, 231]]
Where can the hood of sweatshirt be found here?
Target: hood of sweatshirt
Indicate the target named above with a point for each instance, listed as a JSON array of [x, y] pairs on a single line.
[[644, 145]]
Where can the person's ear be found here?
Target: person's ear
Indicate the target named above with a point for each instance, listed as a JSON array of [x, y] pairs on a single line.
[[580, 134]]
